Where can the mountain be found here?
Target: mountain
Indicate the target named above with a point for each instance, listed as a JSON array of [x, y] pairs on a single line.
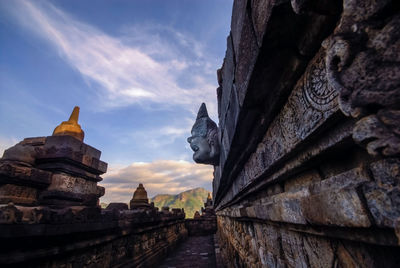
[[190, 200]]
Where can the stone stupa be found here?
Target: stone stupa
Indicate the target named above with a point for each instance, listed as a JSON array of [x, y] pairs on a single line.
[[70, 127], [139, 199]]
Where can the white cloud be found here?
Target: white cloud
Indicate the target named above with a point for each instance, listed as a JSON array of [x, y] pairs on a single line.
[[158, 137], [146, 65], [158, 177], [5, 143]]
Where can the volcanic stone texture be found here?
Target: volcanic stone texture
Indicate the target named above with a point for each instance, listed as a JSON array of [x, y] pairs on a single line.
[[55, 171], [308, 104], [50, 217]]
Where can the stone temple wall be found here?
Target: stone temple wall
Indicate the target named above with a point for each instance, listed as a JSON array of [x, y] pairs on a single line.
[[201, 226], [50, 214], [309, 128], [123, 240]]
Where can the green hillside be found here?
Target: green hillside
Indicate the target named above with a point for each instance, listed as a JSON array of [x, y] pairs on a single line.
[[190, 200]]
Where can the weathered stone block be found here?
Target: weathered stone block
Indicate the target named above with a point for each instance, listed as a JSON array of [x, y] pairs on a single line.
[[25, 151], [383, 195], [306, 251], [260, 13], [67, 183], [35, 141], [270, 237], [17, 194], [73, 151], [238, 18], [246, 55], [285, 207], [353, 256], [227, 73], [387, 172], [67, 145], [61, 198], [339, 208], [293, 249], [17, 173], [9, 214], [232, 115], [302, 180], [225, 148], [320, 252], [351, 178], [383, 204]]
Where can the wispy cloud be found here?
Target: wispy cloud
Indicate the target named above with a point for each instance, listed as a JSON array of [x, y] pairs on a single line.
[[165, 176], [147, 64], [5, 143], [162, 135]]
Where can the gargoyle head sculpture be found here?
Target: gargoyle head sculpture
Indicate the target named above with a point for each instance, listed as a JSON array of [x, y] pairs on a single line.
[[204, 139]]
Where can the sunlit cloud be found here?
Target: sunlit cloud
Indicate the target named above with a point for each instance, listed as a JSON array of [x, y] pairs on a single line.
[[146, 64], [164, 176]]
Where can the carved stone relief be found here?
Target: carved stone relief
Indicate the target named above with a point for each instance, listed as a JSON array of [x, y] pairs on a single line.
[[204, 140], [319, 94], [311, 103], [363, 66]]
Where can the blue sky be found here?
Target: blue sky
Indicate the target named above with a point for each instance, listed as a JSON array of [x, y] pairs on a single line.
[[139, 71]]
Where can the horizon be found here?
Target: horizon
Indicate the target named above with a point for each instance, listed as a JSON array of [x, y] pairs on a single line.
[[101, 202], [138, 70], [180, 192]]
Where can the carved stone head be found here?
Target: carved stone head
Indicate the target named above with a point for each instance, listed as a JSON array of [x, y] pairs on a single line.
[[204, 139]]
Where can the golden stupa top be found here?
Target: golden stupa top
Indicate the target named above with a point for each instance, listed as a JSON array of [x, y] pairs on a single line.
[[70, 127], [140, 193], [209, 196]]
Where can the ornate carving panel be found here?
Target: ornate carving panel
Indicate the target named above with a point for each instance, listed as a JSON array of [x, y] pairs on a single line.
[[311, 103], [363, 66]]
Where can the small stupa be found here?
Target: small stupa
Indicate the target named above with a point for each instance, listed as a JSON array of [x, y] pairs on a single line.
[[70, 127], [196, 215], [209, 202], [139, 199]]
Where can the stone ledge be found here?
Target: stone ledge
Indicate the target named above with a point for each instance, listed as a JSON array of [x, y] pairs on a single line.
[[54, 244], [244, 186], [334, 201], [23, 174]]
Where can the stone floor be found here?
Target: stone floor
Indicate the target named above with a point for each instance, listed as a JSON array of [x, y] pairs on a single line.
[[195, 252]]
